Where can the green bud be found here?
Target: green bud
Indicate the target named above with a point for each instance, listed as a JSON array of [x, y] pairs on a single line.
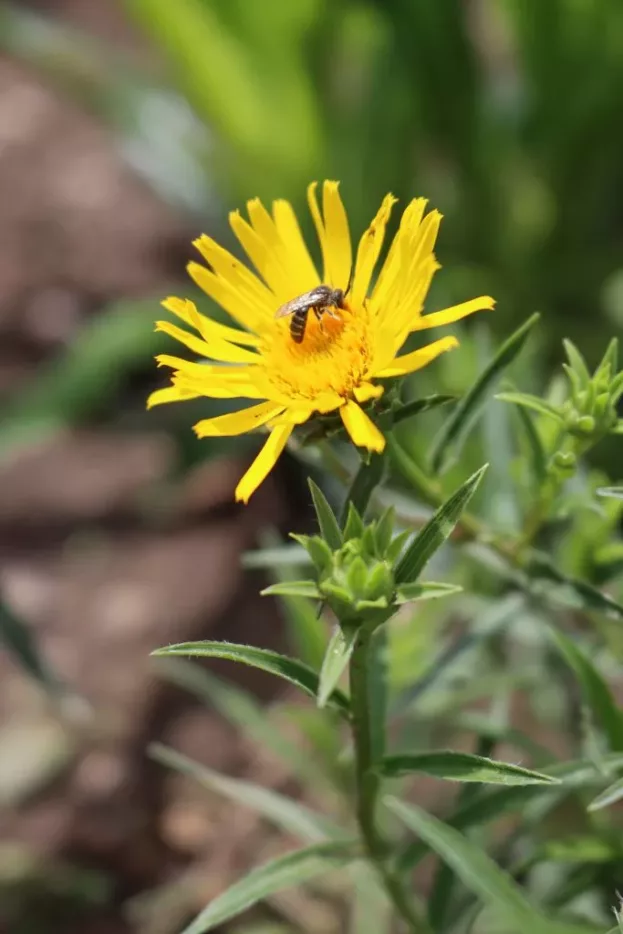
[[583, 425], [563, 462]]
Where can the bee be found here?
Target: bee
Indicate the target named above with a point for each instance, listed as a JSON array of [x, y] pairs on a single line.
[[318, 300]]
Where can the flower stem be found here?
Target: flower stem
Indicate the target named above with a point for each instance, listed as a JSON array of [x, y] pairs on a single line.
[[368, 782]]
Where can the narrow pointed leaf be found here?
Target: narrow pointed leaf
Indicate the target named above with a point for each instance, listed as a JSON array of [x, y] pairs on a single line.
[[462, 767], [417, 406], [438, 528], [459, 424], [531, 402], [611, 795], [337, 656], [282, 873], [596, 692], [577, 362], [327, 521], [292, 589], [282, 812], [290, 669], [427, 590], [480, 874]]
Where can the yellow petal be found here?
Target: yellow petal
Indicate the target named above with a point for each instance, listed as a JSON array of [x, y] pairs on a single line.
[[237, 423], [209, 330], [240, 306], [411, 362], [368, 251], [456, 312], [262, 255], [170, 394], [338, 258], [393, 266], [366, 391], [300, 265], [263, 463], [215, 350], [362, 430], [236, 274]]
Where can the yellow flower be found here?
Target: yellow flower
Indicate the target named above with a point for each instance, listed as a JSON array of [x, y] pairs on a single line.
[[341, 352]]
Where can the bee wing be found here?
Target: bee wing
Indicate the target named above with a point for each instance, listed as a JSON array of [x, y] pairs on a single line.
[[287, 309]]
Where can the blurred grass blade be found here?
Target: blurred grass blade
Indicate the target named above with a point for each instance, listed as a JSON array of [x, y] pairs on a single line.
[[337, 656], [611, 795], [538, 457], [284, 556], [282, 666], [282, 812], [439, 527], [480, 874], [583, 594], [596, 692], [492, 803], [239, 708], [371, 911], [327, 521], [282, 873], [417, 406], [616, 492], [365, 481], [462, 767], [458, 425], [91, 371], [18, 639]]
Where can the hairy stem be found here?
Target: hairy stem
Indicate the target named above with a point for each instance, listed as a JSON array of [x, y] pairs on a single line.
[[367, 782]]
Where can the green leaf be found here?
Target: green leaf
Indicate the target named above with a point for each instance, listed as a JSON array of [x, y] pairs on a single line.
[[327, 521], [616, 492], [480, 874], [365, 481], [283, 812], [577, 362], [293, 589], [462, 767], [240, 708], [492, 803], [531, 402], [458, 426], [290, 669], [427, 590], [294, 868], [611, 795], [337, 656], [438, 528], [417, 406], [596, 692], [353, 526]]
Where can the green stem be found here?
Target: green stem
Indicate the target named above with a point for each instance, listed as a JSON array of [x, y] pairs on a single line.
[[368, 782]]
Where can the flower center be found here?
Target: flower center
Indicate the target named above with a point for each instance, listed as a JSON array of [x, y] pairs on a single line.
[[332, 356]]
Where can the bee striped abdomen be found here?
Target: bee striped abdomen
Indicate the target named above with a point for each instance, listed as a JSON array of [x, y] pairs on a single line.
[[297, 325]]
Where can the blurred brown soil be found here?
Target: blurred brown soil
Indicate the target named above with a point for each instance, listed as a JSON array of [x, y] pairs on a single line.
[[101, 585]]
